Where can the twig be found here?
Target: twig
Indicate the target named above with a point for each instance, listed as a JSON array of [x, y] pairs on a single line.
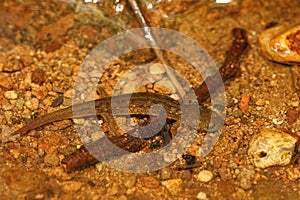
[[229, 69], [152, 42]]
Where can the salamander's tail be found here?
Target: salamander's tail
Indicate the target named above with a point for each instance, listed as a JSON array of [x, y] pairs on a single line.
[[43, 120]]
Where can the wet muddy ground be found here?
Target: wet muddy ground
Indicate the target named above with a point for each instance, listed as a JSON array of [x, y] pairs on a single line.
[[43, 45]]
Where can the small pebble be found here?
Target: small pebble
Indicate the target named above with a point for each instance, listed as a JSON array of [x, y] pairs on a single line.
[[260, 102], [244, 103], [40, 92], [165, 173], [173, 185], [201, 196], [292, 115], [67, 70], [237, 114], [39, 196], [157, 69], [271, 147], [5, 134], [214, 37], [150, 182], [41, 152], [8, 114], [7, 107], [246, 176], [205, 176], [277, 121], [6, 82], [32, 104], [71, 186], [20, 104], [295, 104], [15, 153], [130, 181], [38, 76], [13, 65], [11, 94]]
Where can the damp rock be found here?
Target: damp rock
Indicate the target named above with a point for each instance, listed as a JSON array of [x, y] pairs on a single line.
[[271, 147], [281, 44]]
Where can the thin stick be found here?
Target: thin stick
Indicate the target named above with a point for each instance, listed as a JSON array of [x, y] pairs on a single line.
[[150, 38]]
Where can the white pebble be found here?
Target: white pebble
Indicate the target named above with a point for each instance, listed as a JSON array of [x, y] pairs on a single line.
[[157, 69], [11, 94], [278, 121], [201, 196], [271, 147], [205, 176], [32, 104]]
